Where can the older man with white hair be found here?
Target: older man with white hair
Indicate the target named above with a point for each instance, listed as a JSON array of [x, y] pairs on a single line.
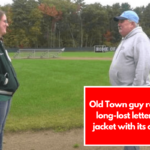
[[131, 63]]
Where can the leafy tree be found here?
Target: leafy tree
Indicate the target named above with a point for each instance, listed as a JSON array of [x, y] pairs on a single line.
[[145, 21], [25, 23], [95, 22], [66, 23], [125, 6]]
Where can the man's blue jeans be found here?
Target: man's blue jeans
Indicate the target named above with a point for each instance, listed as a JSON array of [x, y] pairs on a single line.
[[131, 148], [4, 109]]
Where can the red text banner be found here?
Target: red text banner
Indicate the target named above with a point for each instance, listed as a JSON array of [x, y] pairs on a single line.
[[116, 116]]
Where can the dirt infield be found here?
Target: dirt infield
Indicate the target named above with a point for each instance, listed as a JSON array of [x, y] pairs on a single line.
[[71, 58], [50, 140], [85, 58]]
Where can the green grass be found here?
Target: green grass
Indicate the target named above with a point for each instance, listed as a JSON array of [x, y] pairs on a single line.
[[76, 146], [50, 95]]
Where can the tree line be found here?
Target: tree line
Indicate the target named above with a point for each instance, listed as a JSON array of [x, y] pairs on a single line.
[[65, 23]]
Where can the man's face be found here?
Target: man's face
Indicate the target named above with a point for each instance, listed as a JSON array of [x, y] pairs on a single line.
[[124, 27], [3, 25]]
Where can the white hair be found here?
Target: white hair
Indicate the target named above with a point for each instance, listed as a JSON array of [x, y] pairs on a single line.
[[136, 24]]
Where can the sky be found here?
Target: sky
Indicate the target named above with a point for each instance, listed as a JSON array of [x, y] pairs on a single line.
[[111, 2], [103, 2]]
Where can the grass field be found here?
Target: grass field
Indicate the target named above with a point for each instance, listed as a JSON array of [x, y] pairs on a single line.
[[50, 95]]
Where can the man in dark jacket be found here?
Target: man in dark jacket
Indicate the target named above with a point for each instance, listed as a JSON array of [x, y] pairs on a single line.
[[8, 80]]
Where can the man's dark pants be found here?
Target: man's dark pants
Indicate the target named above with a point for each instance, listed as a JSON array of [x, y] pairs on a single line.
[[131, 148]]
